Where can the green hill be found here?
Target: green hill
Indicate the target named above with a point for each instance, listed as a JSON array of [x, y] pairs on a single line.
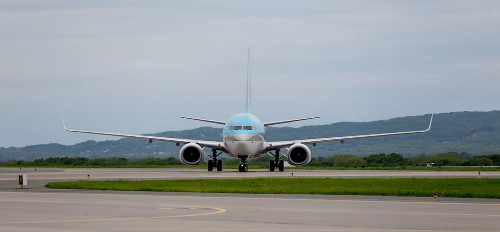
[[477, 133]]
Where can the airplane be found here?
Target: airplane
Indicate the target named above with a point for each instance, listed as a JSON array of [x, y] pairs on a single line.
[[244, 138]]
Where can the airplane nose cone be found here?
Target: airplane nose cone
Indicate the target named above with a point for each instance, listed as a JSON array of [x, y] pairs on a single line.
[[243, 144], [242, 148], [241, 137]]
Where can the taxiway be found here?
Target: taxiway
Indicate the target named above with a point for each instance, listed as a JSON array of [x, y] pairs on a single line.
[[41, 209]]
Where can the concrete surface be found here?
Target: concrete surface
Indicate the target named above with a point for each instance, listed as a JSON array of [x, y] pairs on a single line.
[[41, 209], [188, 173]]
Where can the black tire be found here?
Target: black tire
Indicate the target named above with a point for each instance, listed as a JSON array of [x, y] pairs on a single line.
[[210, 165], [240, 168], [219, 165], [245, 168], [271, 165], [282, 166]]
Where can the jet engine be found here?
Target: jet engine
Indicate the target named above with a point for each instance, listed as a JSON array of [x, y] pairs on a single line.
[[191, 154], [298, 155]]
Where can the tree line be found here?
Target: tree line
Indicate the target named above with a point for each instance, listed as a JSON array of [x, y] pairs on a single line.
[[83, 161], [397, 160], [339, 160]]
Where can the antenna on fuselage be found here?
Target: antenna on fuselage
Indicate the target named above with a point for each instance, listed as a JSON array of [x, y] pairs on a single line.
[[249, 86]]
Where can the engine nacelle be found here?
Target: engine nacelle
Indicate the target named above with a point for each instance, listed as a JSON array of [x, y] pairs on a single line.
[[191, 154], [298, 155]]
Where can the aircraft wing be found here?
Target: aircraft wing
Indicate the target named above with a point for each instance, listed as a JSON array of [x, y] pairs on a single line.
[[287, 121], [283, 144], [204, 120], [209, 144]]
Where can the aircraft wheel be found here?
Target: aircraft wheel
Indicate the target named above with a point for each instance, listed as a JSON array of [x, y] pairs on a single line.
[[210, 165], [271, 165], [219, 165], [281, 166], [243, 168]]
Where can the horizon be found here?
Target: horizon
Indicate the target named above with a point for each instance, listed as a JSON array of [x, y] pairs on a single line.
[[111, 138]]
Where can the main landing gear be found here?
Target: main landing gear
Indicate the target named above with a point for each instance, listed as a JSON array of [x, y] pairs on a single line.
[[276, 162], [243, 166], [214, 162]]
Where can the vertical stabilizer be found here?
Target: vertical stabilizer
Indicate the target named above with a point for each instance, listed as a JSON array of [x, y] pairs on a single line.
[[249, 86]]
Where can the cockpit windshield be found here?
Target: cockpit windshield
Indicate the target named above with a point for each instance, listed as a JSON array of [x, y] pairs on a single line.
[[252, 128]]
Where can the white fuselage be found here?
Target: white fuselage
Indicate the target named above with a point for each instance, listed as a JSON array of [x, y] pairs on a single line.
[[244, 136]]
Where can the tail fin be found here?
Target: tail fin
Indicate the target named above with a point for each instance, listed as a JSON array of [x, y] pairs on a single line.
[[249, 86]]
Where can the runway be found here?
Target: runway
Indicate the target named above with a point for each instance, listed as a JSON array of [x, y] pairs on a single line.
[[40, 209], [189, 173]]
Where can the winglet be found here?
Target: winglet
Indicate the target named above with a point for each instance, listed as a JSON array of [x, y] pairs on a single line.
[[62, 118], [430, 123]]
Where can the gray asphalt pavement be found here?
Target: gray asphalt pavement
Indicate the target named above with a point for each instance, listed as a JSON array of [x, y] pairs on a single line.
[[41, 209]]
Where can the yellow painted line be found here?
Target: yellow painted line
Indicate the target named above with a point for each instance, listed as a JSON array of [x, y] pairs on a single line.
[[266, 208], [74, 202], [191, 207], [74, 220], [204, 229], [280, 199], [430, 202], [371, 211], [217, 211]]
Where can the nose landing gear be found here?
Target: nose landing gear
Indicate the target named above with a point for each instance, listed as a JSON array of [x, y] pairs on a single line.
[[243, 166]]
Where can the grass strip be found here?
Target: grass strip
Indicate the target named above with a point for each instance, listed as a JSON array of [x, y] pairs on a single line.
[[422, 187]]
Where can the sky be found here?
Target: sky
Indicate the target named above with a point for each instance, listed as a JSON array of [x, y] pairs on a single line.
[[134, 66]]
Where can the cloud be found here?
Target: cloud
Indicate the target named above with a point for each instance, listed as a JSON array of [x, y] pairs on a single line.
[[129, 66]]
